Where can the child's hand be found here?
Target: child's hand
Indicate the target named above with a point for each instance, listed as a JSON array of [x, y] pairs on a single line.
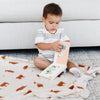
[[57, 46]]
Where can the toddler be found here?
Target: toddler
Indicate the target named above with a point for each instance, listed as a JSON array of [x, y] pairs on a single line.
[[48, 38]]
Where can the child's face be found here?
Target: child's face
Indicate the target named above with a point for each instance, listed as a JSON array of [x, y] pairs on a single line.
[[51, 22]]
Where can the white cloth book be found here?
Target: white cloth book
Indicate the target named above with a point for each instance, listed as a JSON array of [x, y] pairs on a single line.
[[59, 64]]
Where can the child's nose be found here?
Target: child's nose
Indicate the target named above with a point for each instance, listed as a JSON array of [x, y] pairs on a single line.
[[54, 25]]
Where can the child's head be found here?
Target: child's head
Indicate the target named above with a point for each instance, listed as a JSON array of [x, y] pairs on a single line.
[[52, 14]]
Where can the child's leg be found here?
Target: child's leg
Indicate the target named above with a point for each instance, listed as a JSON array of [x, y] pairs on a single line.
[[71, 67], [41, 63]]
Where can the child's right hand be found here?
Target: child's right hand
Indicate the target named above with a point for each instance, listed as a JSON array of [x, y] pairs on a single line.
[[57, 46]]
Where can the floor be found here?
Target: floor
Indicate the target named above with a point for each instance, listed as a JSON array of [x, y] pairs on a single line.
[[89, 56]]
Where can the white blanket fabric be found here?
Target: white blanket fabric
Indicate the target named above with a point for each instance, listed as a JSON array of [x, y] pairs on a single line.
[[19, 80]]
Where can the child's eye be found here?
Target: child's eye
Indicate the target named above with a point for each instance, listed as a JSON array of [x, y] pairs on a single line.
[[51, 22], [57, 23]]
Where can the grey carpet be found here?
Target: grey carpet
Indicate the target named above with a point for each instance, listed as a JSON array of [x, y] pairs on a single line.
[[87, 56]]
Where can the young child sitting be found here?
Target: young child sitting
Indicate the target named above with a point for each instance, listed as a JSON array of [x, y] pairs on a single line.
[[48, 37]]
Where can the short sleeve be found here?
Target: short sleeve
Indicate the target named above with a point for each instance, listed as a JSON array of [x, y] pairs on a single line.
[[64, 36], [39, 37]]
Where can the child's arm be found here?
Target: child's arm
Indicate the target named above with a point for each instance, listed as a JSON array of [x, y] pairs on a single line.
[[46, 46], [67, 41]]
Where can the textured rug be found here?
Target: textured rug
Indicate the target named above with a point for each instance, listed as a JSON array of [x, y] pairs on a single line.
[[20, 80]]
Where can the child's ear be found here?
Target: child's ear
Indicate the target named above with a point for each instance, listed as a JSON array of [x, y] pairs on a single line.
[[43, 19]]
